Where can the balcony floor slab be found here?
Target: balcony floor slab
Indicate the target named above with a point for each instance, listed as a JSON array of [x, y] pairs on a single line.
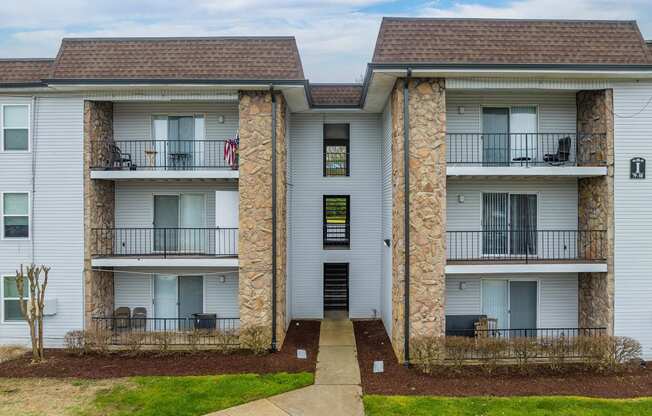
[[154, 261], [519, 171], [120, 175], [541, 267]]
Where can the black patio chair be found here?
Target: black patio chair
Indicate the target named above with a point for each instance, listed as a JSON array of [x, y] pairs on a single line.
[[139, 318], [563, 152], [119, 159]]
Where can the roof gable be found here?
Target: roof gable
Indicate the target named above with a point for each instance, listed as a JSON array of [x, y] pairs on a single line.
[[224, 58], [500, 41]]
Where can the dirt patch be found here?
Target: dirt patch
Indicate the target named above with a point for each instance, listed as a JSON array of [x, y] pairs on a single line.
[[52, 397], [10, 352], [301, 334], [373, 344]]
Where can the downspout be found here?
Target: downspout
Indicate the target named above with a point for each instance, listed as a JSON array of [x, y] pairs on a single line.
[[406, 217], [32, 195], [273, 347]]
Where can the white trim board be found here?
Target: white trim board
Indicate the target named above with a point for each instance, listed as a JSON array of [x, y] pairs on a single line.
[[118, 175], [169, 262], [568, 171], [485, 268]]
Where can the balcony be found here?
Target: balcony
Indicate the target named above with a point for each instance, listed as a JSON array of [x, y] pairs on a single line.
[[526, 154], [200, 331], [163, 159], [210, 247], [504, 251]]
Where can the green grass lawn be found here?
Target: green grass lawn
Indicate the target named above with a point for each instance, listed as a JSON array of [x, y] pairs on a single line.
[[503, 406], [196, 395]]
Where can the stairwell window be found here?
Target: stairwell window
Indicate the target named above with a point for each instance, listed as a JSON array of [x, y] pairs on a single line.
[[336, 149], [15, 215], [15, 128], [11, 299], [337, 228]]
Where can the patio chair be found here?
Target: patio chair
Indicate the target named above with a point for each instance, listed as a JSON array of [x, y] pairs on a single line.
[[121, 317], [119, 159], [563, 152], [139, 318]]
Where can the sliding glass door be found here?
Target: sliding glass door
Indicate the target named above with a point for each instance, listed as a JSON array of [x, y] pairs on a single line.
[[512, 303], [495, 136], [179, 140], [179, 223]]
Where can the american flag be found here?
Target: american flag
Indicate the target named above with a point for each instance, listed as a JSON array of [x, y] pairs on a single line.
[[231, 150]]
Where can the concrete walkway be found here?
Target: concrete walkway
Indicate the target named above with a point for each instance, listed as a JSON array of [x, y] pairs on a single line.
[[337, 381]]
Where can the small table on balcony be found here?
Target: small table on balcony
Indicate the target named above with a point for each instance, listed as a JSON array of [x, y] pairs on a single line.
[[179, 160]]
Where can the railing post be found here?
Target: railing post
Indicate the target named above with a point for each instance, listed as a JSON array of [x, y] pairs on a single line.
[[165, 243]]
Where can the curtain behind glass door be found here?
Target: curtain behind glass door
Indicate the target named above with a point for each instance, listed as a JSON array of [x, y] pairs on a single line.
[[495, 223], [523, 215]]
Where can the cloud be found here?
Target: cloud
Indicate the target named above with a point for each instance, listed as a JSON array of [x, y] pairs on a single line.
[[335, 37]]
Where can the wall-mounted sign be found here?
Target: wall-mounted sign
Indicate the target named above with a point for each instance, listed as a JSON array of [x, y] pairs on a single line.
[[637, 168]]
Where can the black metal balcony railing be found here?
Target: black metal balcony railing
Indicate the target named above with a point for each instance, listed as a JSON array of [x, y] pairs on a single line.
[[337, 234], [557, 342], [173, 331], [527, 246], [162, 155], [164, 242], [526, 149]]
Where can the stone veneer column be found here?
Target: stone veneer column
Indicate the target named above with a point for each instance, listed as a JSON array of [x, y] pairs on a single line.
[[255, 234], [99, 208], [595, 206], [427, 152]]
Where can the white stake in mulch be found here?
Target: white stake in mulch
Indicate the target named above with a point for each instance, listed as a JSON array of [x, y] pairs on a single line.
[[379, 367], [301, 354]]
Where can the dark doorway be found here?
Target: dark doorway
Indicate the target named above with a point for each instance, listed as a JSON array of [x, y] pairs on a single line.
[[336, 286]]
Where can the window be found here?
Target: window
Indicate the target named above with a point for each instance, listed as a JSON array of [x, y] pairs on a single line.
[[15, 215], [11, 299], [336, 150], [509, 224], [337, 230], [15, 128]]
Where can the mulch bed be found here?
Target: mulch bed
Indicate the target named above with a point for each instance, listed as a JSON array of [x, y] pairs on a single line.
[[301, 334], [373, 344]]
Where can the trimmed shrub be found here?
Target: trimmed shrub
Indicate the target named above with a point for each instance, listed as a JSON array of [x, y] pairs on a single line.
[[524, 349], [98, 340], [428, 353], [556, 350], [134, 342], [491, 350], [74, 342], [458, 350], [163, 340], [256, 339]]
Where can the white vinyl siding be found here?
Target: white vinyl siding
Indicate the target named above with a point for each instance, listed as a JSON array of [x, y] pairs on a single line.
[[556, 113], [308, 187], [386, 254], [633, 217], [134, 201], [135, 289], [557, 201], [557, 297], [133, 120], [57, 220]]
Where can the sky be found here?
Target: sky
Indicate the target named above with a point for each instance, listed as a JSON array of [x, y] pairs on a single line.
[[335, 38]]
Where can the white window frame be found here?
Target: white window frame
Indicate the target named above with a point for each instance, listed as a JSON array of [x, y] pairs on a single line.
[[2, 301], [29, 129], [29, 216]]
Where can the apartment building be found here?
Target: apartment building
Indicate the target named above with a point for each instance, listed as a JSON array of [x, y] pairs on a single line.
[[205, 181]]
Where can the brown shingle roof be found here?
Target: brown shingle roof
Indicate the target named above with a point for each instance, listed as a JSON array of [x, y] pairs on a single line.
[[263, 58], [21, 71], [499, 41], [336, 94]]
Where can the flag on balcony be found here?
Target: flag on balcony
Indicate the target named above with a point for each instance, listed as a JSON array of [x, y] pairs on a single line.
[[231, 150]]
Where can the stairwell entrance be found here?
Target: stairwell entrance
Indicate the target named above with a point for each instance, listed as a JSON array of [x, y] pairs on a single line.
[[336, 287]]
